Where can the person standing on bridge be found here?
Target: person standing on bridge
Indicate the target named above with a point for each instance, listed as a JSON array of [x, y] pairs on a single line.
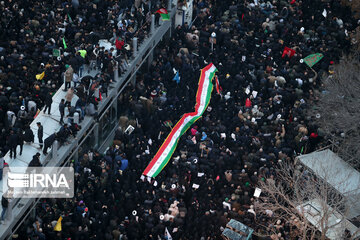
[[2, 161], [69, 96], [4, 205], [62, 111], [20, 135], [68, 76], [40, 133], [48, 102], [12, 143]]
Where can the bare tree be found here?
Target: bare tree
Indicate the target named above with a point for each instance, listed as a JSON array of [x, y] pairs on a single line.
[[354, 5], [354, 37], [337, 110], [298, 200]]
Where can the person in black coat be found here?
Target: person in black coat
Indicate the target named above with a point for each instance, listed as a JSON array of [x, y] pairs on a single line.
[[48, 142], [5, 205], [40, 133], [157, 19], [63, 134], [48, 102], [35, 162], [20, 140], [13, 142], [62, 111], [28, 135]]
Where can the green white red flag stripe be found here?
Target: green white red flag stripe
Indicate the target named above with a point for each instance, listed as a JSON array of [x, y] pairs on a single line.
[[164, 13], [166, 150], [217, 84]]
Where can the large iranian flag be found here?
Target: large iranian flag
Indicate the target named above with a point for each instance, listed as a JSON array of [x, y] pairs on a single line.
[[166, 150]]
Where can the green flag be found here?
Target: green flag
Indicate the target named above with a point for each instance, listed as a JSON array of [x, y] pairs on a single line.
[[65, 47], [70, 20], [164, 14], [82, 53], [56, 52], [312, 59]]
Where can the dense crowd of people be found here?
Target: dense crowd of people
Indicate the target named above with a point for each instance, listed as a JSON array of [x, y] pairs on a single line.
[[258, 120], [46, 44]]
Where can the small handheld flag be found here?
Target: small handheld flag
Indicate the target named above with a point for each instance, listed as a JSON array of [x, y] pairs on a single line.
[[288, 52], [312, 59], [65, 47], [37, 113], [70, 20], [168, 123], [58, 227], [324, 13], [82, 53], [40, 76], [56, 52], [167, 234], [119, 43], [164, 14], [218, 87], [177, 78]]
